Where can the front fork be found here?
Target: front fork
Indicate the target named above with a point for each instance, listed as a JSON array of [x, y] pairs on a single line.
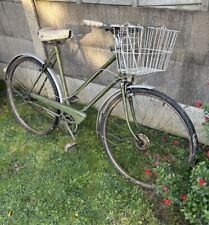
[[126, 96]]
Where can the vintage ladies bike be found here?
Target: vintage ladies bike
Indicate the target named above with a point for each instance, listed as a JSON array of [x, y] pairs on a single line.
[[138, 125]]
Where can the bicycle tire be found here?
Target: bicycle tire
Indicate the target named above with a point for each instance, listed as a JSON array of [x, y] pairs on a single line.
[[138, 159], [31, 114]]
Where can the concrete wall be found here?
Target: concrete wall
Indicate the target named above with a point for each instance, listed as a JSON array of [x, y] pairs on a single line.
[[187, 76], [15, 34]]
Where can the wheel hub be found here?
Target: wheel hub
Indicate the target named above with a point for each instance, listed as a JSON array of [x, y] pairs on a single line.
[[142, 141]]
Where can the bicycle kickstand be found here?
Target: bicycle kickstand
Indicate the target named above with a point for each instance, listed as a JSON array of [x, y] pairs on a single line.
[[72, 143]]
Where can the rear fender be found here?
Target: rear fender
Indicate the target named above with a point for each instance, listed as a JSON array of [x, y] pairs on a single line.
[[8, 68], [52, 73]]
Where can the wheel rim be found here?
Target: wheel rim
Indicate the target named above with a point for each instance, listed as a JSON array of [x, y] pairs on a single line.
[[138, 161]]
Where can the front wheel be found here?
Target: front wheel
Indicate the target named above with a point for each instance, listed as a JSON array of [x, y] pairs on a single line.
[[158, 131]]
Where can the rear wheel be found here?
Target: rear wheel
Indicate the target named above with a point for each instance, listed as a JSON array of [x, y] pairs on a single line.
[[157, 123], [26, 76]]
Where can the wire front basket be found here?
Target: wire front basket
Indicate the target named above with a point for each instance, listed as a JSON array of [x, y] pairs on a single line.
[[143, 50]]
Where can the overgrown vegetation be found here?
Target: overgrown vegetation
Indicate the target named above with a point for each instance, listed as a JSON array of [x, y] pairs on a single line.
[[187, 189], [42, 184]]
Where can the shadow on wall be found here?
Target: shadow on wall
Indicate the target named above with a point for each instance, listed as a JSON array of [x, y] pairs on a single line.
[[88, 49]]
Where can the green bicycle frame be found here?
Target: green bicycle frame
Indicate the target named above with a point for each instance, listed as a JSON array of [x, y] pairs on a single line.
[[78, 115]]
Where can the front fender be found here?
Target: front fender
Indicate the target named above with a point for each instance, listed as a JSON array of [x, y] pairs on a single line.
[[102, 110], [136, 86], [108, 100]]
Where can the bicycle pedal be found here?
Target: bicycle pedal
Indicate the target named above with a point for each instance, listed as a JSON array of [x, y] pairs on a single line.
[[70, 145], [73, 99]]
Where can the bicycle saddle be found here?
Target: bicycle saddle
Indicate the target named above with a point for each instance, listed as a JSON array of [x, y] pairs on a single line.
[[54, 34]]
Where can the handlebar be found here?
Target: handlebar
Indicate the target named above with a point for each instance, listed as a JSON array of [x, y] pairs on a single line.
[[92, 23], [98, 24], [113, 28]]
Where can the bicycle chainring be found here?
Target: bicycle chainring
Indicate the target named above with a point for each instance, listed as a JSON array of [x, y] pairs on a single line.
[[68, 122]]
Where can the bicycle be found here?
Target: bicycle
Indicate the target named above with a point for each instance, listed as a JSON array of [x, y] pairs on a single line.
[[129, 120]]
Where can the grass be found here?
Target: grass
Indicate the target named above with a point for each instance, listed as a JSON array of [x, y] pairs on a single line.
[[42, 184]]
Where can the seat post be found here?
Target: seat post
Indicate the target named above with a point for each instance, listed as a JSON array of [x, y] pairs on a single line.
[[62, 77]]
